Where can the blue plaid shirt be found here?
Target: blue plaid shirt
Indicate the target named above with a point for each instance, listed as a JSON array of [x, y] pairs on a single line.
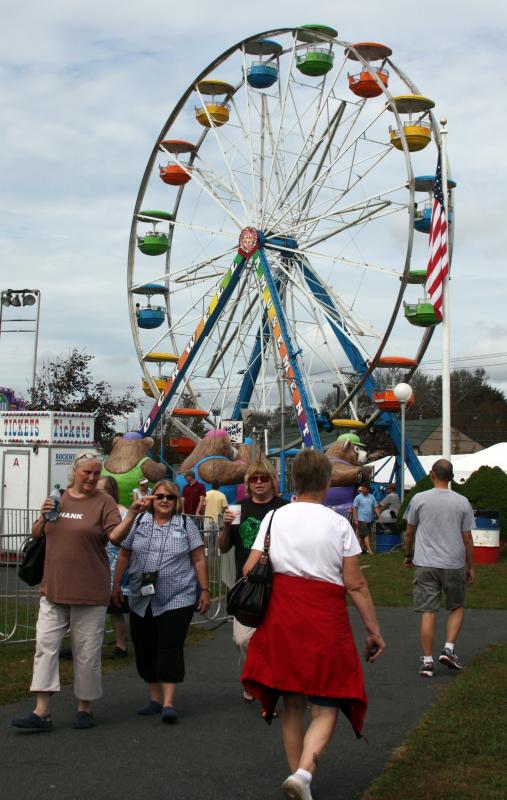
[[164, 549]]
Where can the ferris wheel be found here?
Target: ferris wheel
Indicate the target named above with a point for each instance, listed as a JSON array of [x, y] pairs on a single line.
[[279, 235]]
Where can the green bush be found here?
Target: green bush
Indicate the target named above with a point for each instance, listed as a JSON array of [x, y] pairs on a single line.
[[487, 490]]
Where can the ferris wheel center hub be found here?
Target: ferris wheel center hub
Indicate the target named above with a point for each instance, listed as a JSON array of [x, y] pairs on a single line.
[[251, 239], [249, 242]]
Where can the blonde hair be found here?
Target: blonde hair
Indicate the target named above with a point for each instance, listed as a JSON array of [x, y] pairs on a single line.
[[171, 487], [83, 455], [261, 467]]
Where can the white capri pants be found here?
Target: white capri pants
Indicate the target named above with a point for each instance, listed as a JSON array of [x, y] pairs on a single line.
[[86, 625], [241, 635]]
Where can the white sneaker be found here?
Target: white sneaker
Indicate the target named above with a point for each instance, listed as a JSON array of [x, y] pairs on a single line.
[[294, 788]]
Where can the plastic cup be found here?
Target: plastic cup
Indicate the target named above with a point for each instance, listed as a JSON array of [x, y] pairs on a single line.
[[236, 510]]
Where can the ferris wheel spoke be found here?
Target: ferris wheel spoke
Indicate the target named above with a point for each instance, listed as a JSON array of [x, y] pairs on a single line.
[[274, 154], [382, 199], [208, 190], [345, 335], [306, 145], [181, 274], [249, 104], [222, 151], [363, 265], [368, 216], [341, 312], [329, 173]]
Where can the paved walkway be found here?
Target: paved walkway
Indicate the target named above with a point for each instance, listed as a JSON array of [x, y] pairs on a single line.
[[221, 749]]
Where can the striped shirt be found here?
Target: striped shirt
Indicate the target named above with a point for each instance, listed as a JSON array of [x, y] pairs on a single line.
[[164, 549]]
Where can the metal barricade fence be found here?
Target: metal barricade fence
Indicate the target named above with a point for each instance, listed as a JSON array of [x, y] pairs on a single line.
[[219, 570], [19, 603]]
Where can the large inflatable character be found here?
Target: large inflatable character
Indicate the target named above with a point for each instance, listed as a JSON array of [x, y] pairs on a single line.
[[348, 460], [215, 459], [129, 462]]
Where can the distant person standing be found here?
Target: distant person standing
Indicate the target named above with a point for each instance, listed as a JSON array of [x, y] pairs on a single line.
[[142, 489], [364, 511], [441, 522], [215, 503], [193, 495], [389, 508]]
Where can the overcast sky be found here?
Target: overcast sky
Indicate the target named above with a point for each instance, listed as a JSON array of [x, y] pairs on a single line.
[[85, 89]]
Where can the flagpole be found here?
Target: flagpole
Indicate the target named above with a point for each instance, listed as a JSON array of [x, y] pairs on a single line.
[[446, 338]]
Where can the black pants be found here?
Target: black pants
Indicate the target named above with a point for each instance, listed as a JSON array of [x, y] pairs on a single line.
[[158, 644]]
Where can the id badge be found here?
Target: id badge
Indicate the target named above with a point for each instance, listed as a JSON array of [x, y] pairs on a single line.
[[147, 590]]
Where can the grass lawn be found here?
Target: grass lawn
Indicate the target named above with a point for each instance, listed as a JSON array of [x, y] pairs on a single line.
[[458, 748], [16, 662], [391, 583]]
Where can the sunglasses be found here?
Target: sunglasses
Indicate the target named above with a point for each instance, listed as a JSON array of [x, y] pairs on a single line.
[[89, 457], [165, 496], [259, 479]]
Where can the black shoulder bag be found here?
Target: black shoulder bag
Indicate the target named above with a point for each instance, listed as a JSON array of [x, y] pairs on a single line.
[[248, 599], [31, 568]]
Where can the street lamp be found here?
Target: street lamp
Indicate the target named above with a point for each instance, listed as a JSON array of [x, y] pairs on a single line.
[[403, 393], [15, 298]]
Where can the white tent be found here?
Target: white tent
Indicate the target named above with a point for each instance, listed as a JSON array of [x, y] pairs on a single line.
[[464, 465]]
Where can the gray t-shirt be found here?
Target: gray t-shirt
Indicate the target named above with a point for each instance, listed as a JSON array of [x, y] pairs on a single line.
[[441, 516]]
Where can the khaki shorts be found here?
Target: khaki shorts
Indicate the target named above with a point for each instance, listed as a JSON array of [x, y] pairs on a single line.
[[364, 529], [430, 582]]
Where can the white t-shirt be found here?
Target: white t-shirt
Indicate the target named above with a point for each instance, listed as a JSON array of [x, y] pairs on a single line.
[[308, 540]]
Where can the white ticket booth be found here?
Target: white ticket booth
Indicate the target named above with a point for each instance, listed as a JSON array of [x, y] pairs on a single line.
[[37, 449]]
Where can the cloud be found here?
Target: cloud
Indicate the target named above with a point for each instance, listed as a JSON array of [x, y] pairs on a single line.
[[88, 86]]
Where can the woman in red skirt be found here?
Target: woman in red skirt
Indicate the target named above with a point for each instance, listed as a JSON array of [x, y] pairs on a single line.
[[304, 650]]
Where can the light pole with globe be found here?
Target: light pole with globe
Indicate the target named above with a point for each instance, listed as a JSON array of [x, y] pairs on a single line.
[[403, 393]]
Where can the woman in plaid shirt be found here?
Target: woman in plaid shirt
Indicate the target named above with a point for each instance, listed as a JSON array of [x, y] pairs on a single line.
[[164, 553]]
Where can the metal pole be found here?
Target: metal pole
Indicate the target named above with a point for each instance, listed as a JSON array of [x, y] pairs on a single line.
[[282, 434], [36, 344], [402, 459], [446, 338]]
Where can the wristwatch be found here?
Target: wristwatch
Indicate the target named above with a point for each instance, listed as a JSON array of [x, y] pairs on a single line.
[[409, 555]]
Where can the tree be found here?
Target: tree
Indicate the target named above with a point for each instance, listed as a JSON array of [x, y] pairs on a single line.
[[66, 384], [477, 408]]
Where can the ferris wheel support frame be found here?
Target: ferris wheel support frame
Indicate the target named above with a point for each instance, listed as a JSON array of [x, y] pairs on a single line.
[[216, 306], [388, 420]]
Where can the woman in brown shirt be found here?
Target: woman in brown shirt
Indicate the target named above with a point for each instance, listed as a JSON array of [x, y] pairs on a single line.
[[75, 593]]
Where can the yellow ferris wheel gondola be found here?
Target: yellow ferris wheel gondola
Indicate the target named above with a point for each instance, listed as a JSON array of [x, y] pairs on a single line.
[[417, 131], [215, 113]]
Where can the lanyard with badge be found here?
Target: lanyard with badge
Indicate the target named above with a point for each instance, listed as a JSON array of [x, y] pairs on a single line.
[[149, 579]]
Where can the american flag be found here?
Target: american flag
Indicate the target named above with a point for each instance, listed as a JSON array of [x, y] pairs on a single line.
[[438, 262]]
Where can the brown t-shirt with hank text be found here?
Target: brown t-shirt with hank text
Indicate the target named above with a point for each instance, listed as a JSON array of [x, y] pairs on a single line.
[[76, 567]]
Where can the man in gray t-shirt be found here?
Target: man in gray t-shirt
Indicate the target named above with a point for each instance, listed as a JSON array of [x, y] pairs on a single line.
[[441, 522]]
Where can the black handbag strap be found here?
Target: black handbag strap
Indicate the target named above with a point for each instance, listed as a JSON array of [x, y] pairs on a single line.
[[267, 537]]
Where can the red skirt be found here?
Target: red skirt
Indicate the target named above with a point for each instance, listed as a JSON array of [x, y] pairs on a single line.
[[305, 646]]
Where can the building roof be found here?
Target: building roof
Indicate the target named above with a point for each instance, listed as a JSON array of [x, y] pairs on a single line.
[[418, 430]]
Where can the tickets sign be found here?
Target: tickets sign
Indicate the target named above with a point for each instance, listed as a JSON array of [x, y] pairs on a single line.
[[47, 428]]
